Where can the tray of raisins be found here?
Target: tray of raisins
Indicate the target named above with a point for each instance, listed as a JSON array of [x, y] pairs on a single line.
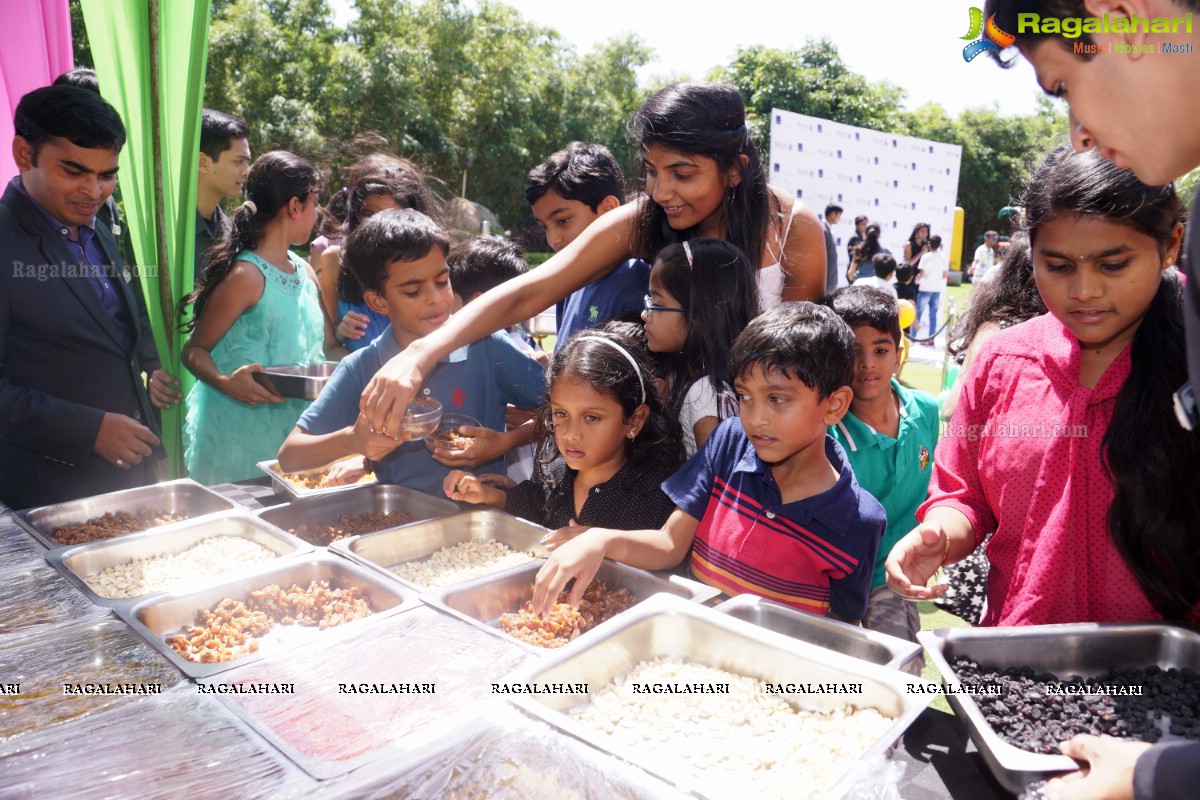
[[1022, 691]]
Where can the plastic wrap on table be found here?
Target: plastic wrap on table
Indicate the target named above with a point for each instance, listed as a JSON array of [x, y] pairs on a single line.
[[328, 729], [18, 548], [507, 756], [36, 596], [106, 664], [173, 745]]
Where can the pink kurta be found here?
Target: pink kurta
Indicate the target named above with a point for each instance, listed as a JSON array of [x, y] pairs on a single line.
[[1023, 457]]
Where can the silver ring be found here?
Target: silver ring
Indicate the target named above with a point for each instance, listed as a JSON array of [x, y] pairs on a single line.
[[120, 462]]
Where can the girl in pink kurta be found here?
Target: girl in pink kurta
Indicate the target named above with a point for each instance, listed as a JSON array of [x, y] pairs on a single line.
[[1064, 443]]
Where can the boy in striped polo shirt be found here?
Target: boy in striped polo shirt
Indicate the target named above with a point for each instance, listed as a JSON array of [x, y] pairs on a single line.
[[769, 505]]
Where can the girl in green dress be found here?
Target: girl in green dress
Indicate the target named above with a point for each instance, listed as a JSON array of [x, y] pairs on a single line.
[[256, 304]]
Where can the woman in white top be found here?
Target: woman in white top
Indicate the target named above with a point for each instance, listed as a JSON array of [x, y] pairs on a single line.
[[702, 177]]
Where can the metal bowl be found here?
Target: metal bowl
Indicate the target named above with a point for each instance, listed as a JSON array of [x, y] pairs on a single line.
[[1085, 649], [298, 381]]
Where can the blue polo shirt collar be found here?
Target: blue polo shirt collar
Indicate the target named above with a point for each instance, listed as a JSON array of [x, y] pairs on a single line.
[[829, 507], [386, 348]]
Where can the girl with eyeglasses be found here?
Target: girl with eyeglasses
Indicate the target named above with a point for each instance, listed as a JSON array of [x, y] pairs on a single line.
[[702, 295]]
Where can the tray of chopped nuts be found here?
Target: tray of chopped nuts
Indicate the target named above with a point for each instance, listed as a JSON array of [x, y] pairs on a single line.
[[173, 557], [284, 605], [115, 514]]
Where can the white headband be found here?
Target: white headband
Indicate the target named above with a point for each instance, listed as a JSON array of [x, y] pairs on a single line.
[[628, 357]]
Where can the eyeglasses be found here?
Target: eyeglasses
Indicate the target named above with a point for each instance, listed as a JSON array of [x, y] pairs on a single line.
[[651, 308]]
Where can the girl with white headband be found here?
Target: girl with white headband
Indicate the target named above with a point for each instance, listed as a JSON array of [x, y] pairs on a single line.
[[606, 442]]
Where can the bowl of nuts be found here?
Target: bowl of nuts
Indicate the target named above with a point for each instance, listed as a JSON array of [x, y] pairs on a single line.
[[421, 418], [448, 435]]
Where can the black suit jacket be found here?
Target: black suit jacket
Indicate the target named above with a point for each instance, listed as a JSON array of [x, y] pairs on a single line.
[[62, 364]]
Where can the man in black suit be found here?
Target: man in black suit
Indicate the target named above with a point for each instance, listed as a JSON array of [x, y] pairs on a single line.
[[74, 344]]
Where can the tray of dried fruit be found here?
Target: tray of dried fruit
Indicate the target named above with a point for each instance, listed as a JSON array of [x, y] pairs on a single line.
[[1022, 691], [501, 603], [449, 550], [705, 701], [302, 600], [321, 521], [176, 557], [107, 516], [312, 482]]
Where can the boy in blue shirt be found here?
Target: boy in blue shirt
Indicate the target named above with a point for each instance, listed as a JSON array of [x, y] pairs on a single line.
[[399, 256], [567, 192], [769, 505], [889, 435]]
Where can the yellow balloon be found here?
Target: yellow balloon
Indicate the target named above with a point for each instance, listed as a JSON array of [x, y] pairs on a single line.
[[908, 314]]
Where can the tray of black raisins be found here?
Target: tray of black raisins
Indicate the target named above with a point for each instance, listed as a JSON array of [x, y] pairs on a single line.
[[1021, 691]]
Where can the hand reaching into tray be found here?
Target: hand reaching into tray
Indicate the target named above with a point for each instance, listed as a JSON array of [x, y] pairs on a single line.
[[558, 538], [488, 488], [1108, 774], [580, 558]]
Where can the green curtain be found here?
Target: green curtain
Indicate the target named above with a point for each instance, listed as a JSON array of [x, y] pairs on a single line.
[[119, 32]]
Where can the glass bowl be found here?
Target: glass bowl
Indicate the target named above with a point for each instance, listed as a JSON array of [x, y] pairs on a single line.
[[421, 419], [446, 435]]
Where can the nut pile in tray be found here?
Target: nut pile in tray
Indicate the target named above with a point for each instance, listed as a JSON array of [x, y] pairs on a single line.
[[235, 628], [742, 741], [318, 479], [114, 523], [464, 561], [212, 556], [565, 623], [1034, 713], [348, 525]]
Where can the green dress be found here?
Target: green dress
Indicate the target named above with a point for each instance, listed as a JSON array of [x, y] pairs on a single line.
[[224, 438]]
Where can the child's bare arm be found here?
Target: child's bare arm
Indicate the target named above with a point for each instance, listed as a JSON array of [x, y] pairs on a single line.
[[303, 450]]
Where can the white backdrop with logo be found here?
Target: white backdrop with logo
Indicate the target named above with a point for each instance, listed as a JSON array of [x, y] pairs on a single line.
[[896, 181]]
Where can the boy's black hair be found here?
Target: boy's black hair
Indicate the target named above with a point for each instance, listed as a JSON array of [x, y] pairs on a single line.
[[935, 242], [587, 173], [218, 130], [833, 208], [392, 235], [801, 340], [867, 305], [885, 265], [82, 77], [860, 218], [80, 116], [482, 263]]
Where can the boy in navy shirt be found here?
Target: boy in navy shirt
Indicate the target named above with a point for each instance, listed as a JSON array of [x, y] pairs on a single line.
[[400, 257], [769, 505], [567, 192]]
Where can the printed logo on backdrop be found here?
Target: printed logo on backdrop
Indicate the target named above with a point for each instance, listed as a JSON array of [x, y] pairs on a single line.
[[988, 38]]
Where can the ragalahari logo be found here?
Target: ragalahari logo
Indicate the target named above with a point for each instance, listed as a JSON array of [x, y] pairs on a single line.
[[988, 38]]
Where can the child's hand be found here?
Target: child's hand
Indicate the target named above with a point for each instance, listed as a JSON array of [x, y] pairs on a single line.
[[468, 488], [347, 471], [485, 445], [516, 417], [241, 386], [369, 443], [353, 326], [563, 535], [579, 558], [914, 560]]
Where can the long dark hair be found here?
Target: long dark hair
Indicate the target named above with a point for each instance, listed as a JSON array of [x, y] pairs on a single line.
[[705, 119], [914, 246], [659, 444], [720, 295], [380, 175], [274, 179], [1152, 519], [1009, 298]]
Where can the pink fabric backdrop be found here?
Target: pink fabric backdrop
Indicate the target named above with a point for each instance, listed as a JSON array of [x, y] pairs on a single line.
[[37, 49]]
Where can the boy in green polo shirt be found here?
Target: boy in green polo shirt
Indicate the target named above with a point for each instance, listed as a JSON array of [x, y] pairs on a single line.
[[889, 435]]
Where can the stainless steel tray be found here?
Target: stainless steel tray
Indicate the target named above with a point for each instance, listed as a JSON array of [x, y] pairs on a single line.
[[36, 597], [284, 486], [387, 549], [301, 382], [176, 497], [100, 652], [316, 511], [481, 602], [165, 615], [83, 561], [666, 626], [878, 648], [1084, 649]]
